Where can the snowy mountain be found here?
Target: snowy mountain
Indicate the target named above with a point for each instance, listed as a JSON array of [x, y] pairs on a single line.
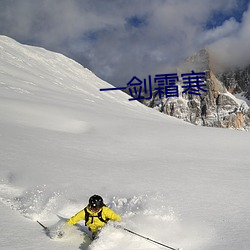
[[237, 81], [62, 140], [217, 106]]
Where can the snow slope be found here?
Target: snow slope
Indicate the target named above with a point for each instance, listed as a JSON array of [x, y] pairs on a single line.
[[62, 140]]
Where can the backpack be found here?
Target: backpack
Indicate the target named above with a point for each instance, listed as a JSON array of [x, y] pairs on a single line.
[[88, 216]]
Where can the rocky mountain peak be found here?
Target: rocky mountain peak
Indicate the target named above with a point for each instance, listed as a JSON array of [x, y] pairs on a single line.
[[199, 61], [215, 107]]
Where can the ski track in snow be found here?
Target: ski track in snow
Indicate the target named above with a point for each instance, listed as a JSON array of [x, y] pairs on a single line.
[[43, 117]]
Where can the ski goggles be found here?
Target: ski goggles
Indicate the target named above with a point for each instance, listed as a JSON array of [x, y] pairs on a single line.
[[94, 208]]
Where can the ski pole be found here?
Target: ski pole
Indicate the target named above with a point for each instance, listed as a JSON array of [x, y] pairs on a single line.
[[146, 238], [45, 228]]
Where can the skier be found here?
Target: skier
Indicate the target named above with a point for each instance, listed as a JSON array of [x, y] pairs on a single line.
[[95, 214]]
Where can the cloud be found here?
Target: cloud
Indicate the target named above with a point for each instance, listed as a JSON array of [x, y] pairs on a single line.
[[120, 39], [226, 29], [233, 48]]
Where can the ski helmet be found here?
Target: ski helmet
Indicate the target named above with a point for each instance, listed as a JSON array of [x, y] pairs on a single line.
[[95, 202]]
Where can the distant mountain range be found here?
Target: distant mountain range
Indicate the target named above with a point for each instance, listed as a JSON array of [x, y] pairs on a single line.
[[225, 103]]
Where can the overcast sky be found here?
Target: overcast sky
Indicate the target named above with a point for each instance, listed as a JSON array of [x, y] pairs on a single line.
[[119, 39]]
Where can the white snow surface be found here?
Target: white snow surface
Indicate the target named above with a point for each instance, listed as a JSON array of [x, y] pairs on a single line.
[[62, 140]]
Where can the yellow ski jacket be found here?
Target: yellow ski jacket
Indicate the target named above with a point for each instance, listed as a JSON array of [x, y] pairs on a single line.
[[94, 223]]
